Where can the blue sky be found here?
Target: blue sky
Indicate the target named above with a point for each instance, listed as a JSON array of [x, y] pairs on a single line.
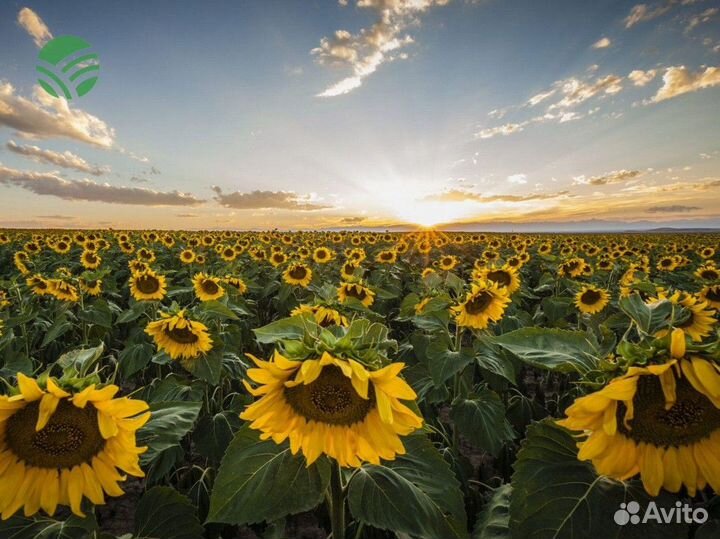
[[260, 114]]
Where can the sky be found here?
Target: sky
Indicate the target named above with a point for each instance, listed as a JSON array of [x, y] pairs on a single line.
[[318, 114]]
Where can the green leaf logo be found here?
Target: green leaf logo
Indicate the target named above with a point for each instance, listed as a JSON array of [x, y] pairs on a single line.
[[67, 67]]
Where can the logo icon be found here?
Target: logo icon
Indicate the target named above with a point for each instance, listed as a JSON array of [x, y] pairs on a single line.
[[627, 513], [67, 67]]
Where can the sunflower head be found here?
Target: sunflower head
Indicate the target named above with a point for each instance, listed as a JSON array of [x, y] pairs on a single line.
[[236, 283], [323, 315], [333, 406], [207, 288], [63, 445], [356, 291], [298, 275], [148, 286], [484, 303], [591, 299], [180, 337]]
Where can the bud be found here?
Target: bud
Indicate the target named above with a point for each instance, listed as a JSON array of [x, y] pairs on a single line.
[[677, 343]]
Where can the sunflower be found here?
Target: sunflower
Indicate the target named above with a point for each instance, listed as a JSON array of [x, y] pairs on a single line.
[[324, 316], [237, 283], [505, 277], [707, 272], [701, 319], [711, 295], [187, 256], [447, 262], [420, 305], [207, 288], [228, 254], [667, 263], [57, 447], [63, 290], [90, 260], [39, 285], [278, 258], [180, 337], [137, 266], [486, 302], [298, 274], [356, 290], [573, 267], [388, 256], [661, 421], [148, 286], [348, 270], [427, 272], [332, 406], [591, 299], [323, 255], [92, 287], [4, 301]]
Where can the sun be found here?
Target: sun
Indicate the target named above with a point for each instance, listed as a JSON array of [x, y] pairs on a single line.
[[429, 213]]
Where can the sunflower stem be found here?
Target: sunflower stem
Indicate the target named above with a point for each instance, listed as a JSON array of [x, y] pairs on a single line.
[[337, 508]]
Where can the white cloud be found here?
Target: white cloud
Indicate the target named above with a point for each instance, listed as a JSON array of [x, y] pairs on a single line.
[[576, 91], [539, 98], [677, 80], [644, 12], [517, 179], [602, 43], [50, 184], [363, 53], [34, 25], [65, 159], [640, 77], [48, 117], [504, 130]]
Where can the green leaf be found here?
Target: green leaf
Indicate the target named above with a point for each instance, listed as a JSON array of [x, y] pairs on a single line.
[[98, 313], [164, 513], [495, 360], [416, 494], [134, 358], [557, 496], [262, 481], [73, 527], [494, 521], [59, 328], [82, 359], [649, 318], [135, 311], [481, 420], [293, 328], [207, 367], [169, 423], [214, 433], [443, 363], [215, 309], [552, 349]]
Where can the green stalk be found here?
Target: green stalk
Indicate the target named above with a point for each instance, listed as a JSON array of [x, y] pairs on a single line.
[[337, 509]]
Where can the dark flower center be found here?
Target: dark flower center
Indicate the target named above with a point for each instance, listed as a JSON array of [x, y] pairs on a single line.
[[298, 272], [590, 297], [500, 277], [71, 437], [182, 335], [357, 292], [147, 284], [210, 287], [330, 399], [692, 418], [478, 303]]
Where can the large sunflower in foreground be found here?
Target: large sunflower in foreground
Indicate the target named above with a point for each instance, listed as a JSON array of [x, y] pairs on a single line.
[[57, 447], [180, 337], [333, 406], [486, 302], [661, 421]]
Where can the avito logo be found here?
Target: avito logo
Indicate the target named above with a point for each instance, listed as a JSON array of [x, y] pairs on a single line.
[[682, 513], [68, 69]]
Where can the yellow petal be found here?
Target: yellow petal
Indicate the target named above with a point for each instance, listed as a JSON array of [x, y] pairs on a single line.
[[384, 407], [53, 388], [651, 468], [29, 388], [48, 405], [75, 486], [108, 427], [677, 343]]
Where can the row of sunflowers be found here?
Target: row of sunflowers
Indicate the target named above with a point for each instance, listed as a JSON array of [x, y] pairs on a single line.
[[358, 385]]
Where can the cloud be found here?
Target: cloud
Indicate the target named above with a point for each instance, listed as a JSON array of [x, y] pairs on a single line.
[[640, 77], [34, 25], [677, 80], [539, 98], [504, 130], [137, 179], [517, 179], [286, 200], [48, 117], [675, 208], [462, 195], [352, 220], [187, 215], [576, 91], [602, 43], [66, 159], [363, 53], [48, 183], [610, 178], [701, 18], [57, 217], [643, 12]]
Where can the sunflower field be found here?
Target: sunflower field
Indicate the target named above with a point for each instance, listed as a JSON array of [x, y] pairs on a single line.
[[358, 385]]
